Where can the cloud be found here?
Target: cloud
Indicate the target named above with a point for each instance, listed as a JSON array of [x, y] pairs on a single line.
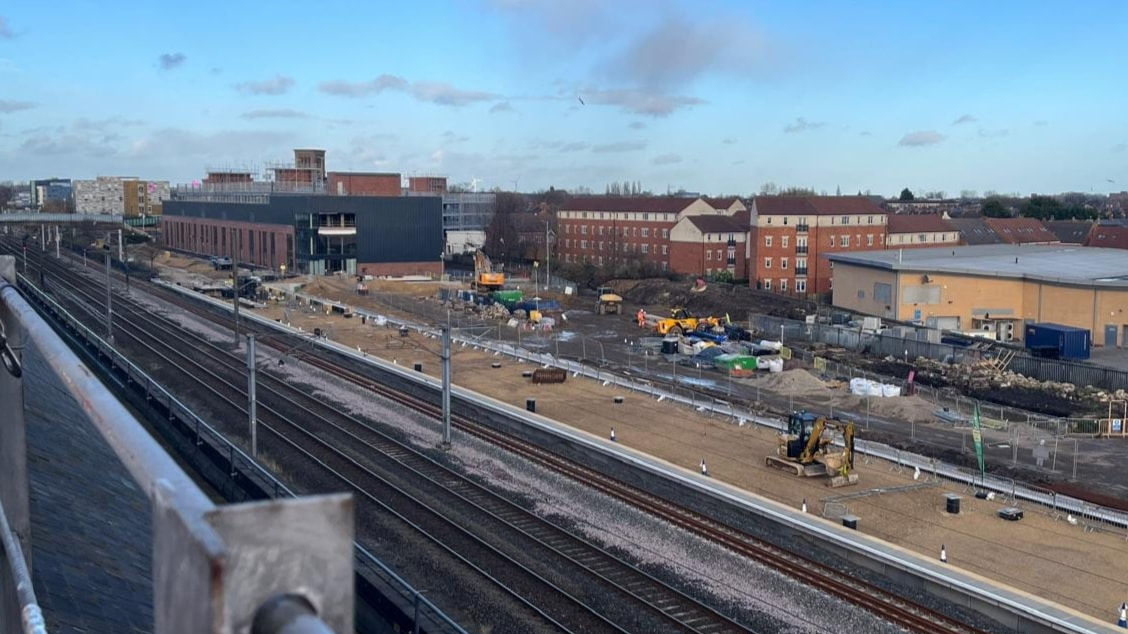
[[991, 134], [451, 137], [435, 92], [575, 146], [1041, 123], [342, 88], [6, 32], [619, 146], [865, 133], [501, 106], [666, 159], [279, 85], [9, 106], [640, 102], [169, 61], [728, 141], [964, 119], [921, 137], [1120, 147], [679, 49], [802, 125], [179, 144], [637, 125], [275, 113], [444, 94]]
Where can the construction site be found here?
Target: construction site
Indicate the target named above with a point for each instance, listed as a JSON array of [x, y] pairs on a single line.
[[812, 464]]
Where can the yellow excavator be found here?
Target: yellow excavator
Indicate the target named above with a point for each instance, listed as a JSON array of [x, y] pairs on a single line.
[[808, 449], [485, 278]]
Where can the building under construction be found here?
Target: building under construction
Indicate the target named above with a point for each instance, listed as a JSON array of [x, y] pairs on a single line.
[[309, 220]]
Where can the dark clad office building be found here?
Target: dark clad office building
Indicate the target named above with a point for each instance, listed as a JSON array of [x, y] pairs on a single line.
[[313, 233]]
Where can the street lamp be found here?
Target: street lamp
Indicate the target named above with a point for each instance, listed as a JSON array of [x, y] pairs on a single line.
[[536, 278]]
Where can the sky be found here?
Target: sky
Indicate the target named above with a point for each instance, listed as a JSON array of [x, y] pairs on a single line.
[[711, 96]]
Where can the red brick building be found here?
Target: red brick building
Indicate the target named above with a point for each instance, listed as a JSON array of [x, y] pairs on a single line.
[[262, 244], [791, 236], [364, 184], [613, 230], [435, 185]]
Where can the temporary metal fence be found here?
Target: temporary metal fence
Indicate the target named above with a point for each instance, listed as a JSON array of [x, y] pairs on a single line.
[[626, 365], [907, 348], [256, 545]]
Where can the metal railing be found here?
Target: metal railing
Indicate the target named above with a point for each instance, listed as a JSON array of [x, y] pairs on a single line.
[[215, 568], [426, 616]]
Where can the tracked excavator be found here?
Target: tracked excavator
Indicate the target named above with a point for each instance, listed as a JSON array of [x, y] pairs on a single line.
[[485, 277], [808, 449]]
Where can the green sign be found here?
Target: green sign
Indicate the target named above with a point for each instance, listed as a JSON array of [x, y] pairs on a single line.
[[977, 436]]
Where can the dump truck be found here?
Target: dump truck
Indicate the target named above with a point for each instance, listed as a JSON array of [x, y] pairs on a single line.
[[607, 302]]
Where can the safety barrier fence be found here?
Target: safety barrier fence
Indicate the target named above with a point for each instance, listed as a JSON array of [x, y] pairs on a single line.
[[270, 564], [479, 333]]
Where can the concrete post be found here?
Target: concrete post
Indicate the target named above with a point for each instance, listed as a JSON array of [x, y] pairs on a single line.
[[446, 385]]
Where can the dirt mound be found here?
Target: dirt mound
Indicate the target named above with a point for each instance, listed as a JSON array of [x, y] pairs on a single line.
[[659, 295], [795, 382], [898, 408]]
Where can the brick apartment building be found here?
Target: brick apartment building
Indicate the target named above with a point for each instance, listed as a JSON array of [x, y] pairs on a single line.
[[791, 236], [613, 230]]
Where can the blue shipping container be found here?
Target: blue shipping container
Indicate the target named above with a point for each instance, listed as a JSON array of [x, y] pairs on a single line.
[[1069, 342]]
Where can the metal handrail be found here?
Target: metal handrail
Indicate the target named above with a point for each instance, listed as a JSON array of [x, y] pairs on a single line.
[[30, 614], [192, 536], [237, 455]]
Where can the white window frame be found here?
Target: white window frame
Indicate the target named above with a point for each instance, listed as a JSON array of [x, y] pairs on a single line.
[[767, 263]]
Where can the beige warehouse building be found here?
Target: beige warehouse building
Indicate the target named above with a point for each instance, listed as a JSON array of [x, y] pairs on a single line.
[[991, 288]]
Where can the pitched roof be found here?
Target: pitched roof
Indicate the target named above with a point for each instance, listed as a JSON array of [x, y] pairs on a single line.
[[664, 204], [842, 205], [722, 203], [1021, 230], [717, 224], [1069, 231], [816, 205], [1110, 236], [976, 231], [919, 223]]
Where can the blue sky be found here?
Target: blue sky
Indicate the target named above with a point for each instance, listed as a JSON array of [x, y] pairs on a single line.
[[709, 95]]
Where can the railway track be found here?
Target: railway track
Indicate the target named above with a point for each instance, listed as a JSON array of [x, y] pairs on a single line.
[[577, 587], [889, 606]]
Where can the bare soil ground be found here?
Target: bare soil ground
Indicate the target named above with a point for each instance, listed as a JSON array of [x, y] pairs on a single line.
[[1048, 558]]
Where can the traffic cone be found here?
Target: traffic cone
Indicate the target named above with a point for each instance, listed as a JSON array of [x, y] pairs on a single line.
[[704, 469], [943, 554], [804, 505], [1123, 622], [612, 434]]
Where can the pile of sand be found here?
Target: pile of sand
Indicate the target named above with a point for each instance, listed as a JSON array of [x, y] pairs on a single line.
[[794, 382]]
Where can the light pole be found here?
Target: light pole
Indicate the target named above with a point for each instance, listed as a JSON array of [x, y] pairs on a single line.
[[252, 398], [235, 287], [446, 385], [536, 278], [547, 255], [109, 301]]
